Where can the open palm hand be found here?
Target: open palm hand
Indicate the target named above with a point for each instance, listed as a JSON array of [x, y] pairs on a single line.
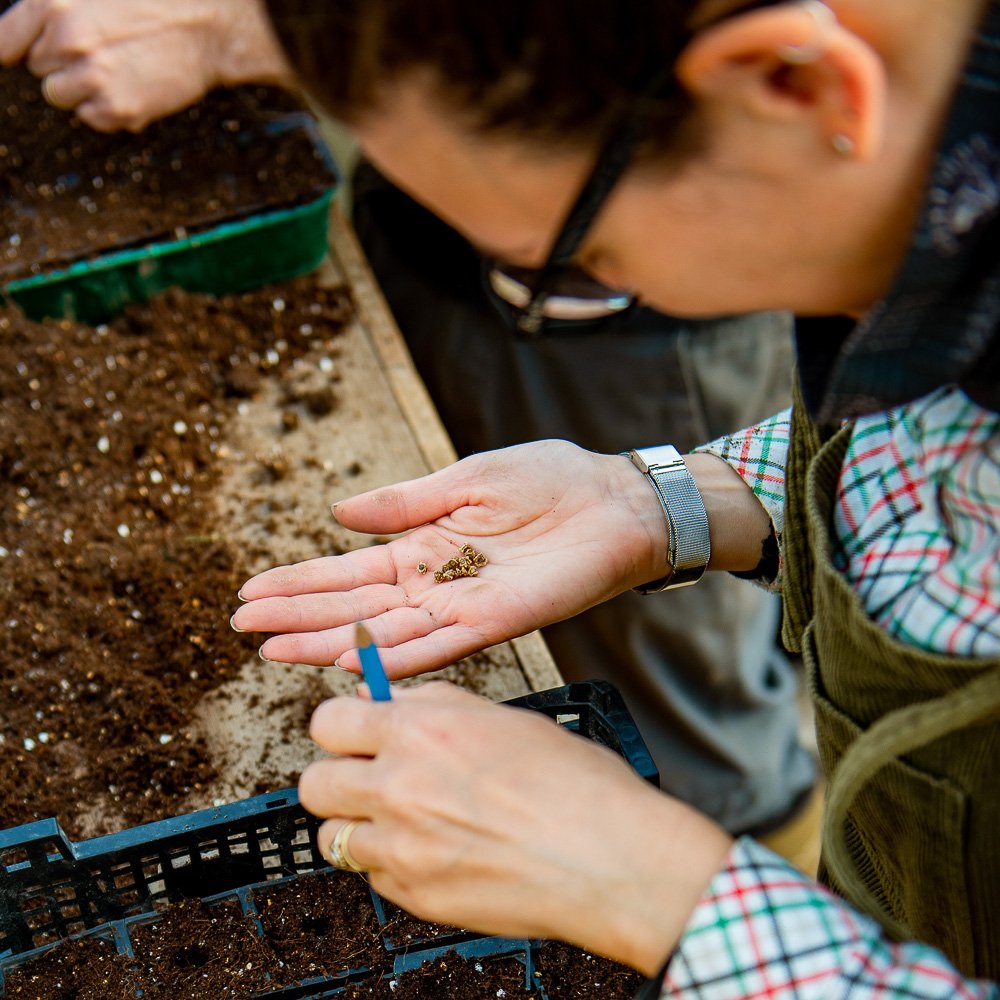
[[562, 529]]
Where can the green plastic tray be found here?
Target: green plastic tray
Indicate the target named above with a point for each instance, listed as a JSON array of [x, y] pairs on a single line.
[[232, 257]]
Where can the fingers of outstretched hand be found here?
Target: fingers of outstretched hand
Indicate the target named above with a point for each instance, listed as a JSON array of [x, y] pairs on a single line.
[[315, 612], [403, 506], [322, 575], [330, 645], [439, 645]]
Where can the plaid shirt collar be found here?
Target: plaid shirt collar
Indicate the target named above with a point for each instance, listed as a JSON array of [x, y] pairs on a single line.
[[940, 324]]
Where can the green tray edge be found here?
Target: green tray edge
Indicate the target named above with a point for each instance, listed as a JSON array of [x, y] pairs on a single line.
[[232, 257]]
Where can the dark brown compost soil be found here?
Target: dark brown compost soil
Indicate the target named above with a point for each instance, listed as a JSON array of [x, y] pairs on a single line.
[[567, 973], [68, 193], [316, 927], [116, 582], [89, 969], [403, 928], [116, 579], [321, 926], [194, 951], [450, 976]]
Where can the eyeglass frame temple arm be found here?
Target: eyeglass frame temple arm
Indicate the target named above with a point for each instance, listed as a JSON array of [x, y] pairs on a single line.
[[615, 155]]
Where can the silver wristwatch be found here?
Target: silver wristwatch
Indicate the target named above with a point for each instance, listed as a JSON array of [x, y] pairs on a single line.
[[688, 548]]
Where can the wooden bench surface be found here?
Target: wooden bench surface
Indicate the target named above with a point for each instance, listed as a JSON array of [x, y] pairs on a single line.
[[383, 429]]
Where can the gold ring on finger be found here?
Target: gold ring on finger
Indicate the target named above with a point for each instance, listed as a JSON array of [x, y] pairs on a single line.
[[340, 852], [50, 95]]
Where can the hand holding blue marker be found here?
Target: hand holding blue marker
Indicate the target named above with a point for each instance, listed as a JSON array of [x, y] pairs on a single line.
[[371, 664]]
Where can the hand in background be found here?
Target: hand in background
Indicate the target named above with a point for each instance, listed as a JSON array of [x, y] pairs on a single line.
[[495, 819], [122, 65], [563, 529]]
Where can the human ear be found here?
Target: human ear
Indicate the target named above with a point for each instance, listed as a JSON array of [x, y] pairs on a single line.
[[793, 63]]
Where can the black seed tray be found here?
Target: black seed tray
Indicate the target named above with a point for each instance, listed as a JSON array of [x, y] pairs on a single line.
[[52, 889]]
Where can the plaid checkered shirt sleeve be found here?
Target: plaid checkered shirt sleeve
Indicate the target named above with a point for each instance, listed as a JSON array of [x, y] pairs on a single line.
[[917, 519], [916, 531], [763, 929], [759, 454]]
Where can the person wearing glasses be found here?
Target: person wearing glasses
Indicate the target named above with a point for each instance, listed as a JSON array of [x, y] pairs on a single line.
[[702, 673], [838, 161]]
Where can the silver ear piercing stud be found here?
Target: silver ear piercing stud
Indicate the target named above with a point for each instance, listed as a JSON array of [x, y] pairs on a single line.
[[843, 144]]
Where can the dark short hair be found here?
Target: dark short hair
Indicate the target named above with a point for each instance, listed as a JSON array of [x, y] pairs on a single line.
[[549, 69]]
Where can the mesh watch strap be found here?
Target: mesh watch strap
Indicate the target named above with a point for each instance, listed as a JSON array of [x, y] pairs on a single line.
[[688, 546]]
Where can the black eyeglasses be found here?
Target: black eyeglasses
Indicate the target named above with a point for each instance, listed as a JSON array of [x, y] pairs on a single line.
[[558, 289]]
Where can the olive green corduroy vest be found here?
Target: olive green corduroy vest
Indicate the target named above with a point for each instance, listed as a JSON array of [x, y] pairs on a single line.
[[909, 741]]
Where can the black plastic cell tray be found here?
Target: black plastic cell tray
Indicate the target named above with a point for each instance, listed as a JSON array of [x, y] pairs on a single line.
[[52, 889]]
